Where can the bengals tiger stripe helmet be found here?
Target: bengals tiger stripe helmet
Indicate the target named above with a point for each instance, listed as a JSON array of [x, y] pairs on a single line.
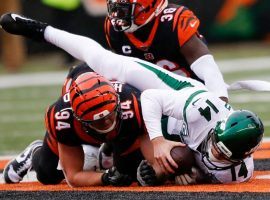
[[129, 15], [94, 102]]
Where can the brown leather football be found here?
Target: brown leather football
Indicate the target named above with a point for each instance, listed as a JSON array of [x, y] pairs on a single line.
[[184, 157]]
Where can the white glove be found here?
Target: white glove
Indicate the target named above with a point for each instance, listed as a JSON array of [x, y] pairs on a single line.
[[187, 179]]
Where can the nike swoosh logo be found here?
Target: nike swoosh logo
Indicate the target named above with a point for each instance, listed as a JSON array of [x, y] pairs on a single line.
[[193, 24], [195, 101], [14, 16]]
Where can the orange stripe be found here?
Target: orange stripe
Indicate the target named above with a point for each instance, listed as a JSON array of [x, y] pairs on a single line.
[[53, 145], [175, 20], [107, 31], [52, 126], [137, 110], [3, 164], [255, 185], [46, 119], [265, 145], [142, 45], [262, 154]]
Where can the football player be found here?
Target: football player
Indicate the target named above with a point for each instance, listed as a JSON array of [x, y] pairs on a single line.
[[90, 111], [164, 34], [223, 140], [138, 73]]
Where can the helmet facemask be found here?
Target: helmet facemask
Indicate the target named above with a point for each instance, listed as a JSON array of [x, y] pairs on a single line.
[[129, 15], [120, 14]]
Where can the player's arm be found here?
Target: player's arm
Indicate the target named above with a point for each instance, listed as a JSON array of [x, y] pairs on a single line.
[[155, 103], [198, 55], [72, 161], [204, 66]]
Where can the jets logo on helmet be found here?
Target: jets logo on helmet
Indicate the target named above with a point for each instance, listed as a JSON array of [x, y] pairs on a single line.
[[94, 102], [129, 15]]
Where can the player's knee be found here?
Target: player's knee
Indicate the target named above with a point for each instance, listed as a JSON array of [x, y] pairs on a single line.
[[53, 179]]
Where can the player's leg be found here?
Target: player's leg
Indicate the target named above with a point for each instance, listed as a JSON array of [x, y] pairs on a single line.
[[18, 167], [45, 163]]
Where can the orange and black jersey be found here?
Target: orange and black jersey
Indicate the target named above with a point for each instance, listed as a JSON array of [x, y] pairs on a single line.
[[159, 41], [63, 127]]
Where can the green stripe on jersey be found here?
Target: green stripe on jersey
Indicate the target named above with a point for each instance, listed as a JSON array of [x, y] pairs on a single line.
[[167, 79], [191, 97], [164, 127]]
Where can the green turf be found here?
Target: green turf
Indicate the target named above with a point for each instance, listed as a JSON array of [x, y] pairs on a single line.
[[22, 115]]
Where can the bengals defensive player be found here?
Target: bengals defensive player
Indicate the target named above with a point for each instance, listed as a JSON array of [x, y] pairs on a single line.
[[91, 111], [164, 34]]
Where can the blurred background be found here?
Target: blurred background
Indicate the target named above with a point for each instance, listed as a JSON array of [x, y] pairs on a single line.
[[31, 74]]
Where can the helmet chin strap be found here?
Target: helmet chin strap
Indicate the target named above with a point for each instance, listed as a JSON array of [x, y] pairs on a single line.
[[107, 130]]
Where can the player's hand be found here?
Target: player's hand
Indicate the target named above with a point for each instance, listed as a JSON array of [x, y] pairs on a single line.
[[162, 155], [20, 25], [188, 178], [146, 175], [113, 177]]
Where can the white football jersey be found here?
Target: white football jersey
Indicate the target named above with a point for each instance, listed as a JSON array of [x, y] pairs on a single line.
[[200, 114]]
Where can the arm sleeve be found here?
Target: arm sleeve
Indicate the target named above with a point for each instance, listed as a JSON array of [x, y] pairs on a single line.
[[206, 69], [157, 102]]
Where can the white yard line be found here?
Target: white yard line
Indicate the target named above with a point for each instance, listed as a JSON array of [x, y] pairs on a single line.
[[244, 64], [32, 79], [57, 78]]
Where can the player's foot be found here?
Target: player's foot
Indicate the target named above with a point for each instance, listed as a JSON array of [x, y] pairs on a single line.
[[20, 25], [17, 168]]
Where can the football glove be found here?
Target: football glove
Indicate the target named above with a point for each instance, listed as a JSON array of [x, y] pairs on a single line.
[[20, 25], [187, 178], [146, 175], [115, 178]]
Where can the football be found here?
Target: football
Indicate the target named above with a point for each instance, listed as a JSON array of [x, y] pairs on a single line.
[[184, 157]]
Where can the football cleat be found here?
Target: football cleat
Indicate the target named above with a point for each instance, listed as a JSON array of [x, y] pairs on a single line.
[[17, 168], [20, 25]]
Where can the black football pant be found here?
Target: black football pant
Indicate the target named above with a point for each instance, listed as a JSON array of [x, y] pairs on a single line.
[[45, 164]]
